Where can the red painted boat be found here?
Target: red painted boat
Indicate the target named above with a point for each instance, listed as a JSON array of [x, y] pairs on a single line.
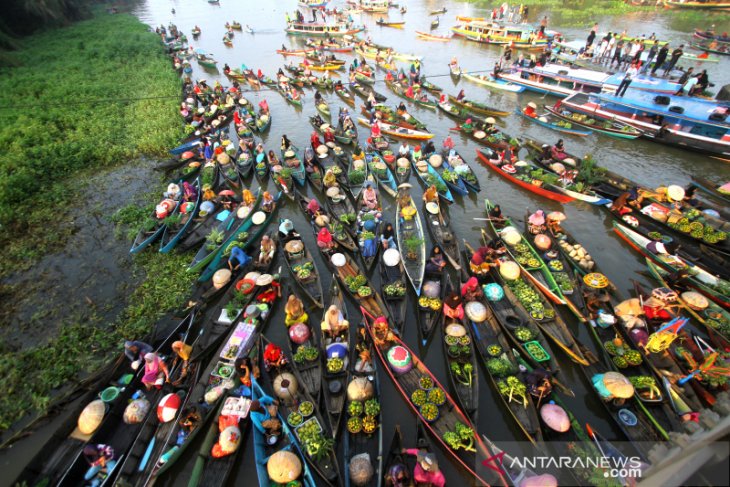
[[555, 196], [448, 415]]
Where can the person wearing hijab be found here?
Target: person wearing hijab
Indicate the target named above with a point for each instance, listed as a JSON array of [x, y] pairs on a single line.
[[426, 471], [370, 197], [182, 352], [266, 250], [313, 208], [325, 241], [285, 142], [449, 143], [436, 262], [295, 312], [333, 323], [557, 152], [470, 290], [248, 197], [154, 371], [387, 237], [431, 195], [461, 95], [454, 307], [287, 232], [268, 203], [495, 215]]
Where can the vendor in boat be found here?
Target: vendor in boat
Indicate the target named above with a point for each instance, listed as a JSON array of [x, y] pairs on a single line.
[[330, 179], [404, 150], [314, 140], [382, 335], [246, 370], [287, 232], [401, 110], [182, 353], [431, 195], [557, 152], [294, 311], [263, 412], [101, 460], [155, 372], [449, 143], [387, 237], [454, 307], [347, 124], [397, 476], [358, 154], [471, 290], [495, 215], [553, 223], [417, 153], [333, 322], [268, 203], [314, 211], [436, 261], [226, 68], [538, 383], [530, 110], [329, 136], [468, 126], [621, 204], [370, 196], [375, 130], [270, 289], [426, 471], [135, 351], [325, 241], [461, 95], [429, 148], [488, 126], [267, 250], [285, 142]]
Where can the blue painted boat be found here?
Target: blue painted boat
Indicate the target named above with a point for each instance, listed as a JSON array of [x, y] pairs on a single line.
[[151, 230], [185, 147], [382, 173], [175, 231], [286, 442], [553, 125], [430, 176], [228, 226], [465, 172], [456, 186], [254, 232]]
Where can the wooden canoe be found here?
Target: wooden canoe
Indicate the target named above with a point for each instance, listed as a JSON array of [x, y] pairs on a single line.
[[414, 259], [311, 285], [334, 384], [442, 235]]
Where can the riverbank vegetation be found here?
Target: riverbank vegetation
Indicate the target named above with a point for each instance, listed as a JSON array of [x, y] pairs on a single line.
[[75, 101], [92, 95]]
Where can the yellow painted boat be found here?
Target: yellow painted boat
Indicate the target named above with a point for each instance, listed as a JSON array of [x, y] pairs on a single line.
[[396, 131]]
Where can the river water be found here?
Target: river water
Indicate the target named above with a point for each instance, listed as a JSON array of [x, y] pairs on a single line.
[[643, 161]]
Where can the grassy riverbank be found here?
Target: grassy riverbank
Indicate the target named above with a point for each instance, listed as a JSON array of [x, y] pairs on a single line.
[[80, 100], [92, 95]]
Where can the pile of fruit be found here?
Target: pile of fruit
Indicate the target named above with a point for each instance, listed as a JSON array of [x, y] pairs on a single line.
[[564, 124], [363, 416], [524, 256], [395, 290], [527, 296], [621, 354], [428, 399], [699, 231], [429, 303], [306, 353]]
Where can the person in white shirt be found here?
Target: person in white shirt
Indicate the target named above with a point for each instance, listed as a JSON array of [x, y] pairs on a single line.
[[630, 74]]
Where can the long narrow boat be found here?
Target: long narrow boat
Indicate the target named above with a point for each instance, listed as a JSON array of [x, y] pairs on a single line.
[[114, 431], [709, 314], [411, 243], [232, 224], [395, 117], [310, 370], [382, 173], [400, 132], [409, 374], [697, 278], [548, 120], [209, 469], [357, 175], [522, 252], [507, 170], [393, 23], [442, 235], [493, 83], [343, 238], [453, 161], [313, 169], [395, 456], [614, 128], [352, 280], [368, 227], [286, 442], [461, 363], [182, 218], [512, 317], [476, 107], [721, 49], [432, 37], [137, 464], [243, 237], [292, 159], [428, 176], [153, 228], [280, 175], [393, 281], [231, 342], [430, 305], [345, 95], [303, 269], [503, 369], [335, 356], [364, 377], [290, 400]]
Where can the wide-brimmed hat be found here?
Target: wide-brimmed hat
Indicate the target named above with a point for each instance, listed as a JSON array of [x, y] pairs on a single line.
[[391, 257], [405, 186], [428, 461], [432, 207], [289, 153], [491, 120], [264, 280], [532, 104], [338, 260], [258, 218]]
